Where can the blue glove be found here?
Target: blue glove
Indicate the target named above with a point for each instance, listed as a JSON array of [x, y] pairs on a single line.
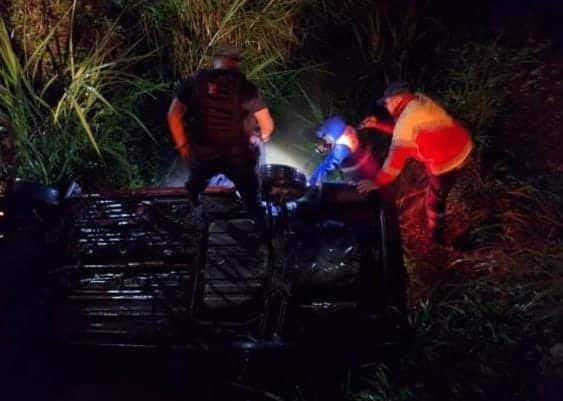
[[336, 156]]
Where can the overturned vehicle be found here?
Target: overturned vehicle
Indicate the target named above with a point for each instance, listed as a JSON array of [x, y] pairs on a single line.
[[145, 269]]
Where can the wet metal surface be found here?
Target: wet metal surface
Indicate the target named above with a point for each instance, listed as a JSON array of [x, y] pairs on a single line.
[[131, 272]]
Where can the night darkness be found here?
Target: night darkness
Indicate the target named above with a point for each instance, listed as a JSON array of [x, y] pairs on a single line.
[[289, 200]]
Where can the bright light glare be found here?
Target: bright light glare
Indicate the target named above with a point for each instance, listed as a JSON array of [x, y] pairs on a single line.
[[281, 153], [278, 151]]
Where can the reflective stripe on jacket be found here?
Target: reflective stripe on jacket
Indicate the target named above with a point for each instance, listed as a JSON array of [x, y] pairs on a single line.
[[426, 132]]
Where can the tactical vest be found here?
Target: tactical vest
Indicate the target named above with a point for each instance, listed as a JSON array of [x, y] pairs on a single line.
[[217, 109]]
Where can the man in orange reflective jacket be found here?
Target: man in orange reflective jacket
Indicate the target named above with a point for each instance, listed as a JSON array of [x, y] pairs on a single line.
[[422, 130]]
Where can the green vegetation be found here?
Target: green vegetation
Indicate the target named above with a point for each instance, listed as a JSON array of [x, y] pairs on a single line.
[[185, 33], [82, 99], [84, 92], [480, 337], [69, 126]]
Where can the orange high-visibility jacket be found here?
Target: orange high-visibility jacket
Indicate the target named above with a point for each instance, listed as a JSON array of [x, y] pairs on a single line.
[[426, 132]]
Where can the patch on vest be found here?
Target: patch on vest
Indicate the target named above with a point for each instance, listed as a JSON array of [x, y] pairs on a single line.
[[212, 88], [218, 109]]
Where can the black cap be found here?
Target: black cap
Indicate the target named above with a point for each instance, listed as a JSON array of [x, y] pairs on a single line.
[[228, 51], [394, 89]]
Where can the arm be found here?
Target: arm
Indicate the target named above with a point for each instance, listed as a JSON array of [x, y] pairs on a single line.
[[177, 129], [383, 126], [255, 105], [265, 122], [330, 163], [394, 164]]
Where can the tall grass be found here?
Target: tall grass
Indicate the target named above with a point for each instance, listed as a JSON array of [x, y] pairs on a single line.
[[365, 44], [480, 337], [187, 32], [477, 82], [7, 153], [64, 124]]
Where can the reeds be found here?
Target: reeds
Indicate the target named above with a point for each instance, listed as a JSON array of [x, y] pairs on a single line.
[[187, 32], [62, 123]]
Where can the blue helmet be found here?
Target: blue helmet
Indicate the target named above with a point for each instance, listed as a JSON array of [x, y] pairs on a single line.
[[332, 127]]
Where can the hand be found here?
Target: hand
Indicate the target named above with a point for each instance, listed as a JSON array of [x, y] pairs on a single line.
[[185, 152], [266, 138], [369, 122], [255, 140], [365, 186]]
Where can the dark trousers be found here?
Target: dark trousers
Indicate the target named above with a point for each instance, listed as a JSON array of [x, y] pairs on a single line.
[[239, 165], [439, 187]]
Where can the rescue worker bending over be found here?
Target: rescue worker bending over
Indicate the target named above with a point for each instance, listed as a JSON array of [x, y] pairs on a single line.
[[213, 119], [346, 153], [426, 132]]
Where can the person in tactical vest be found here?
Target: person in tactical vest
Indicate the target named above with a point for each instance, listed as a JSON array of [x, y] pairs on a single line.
[[216, 120]]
